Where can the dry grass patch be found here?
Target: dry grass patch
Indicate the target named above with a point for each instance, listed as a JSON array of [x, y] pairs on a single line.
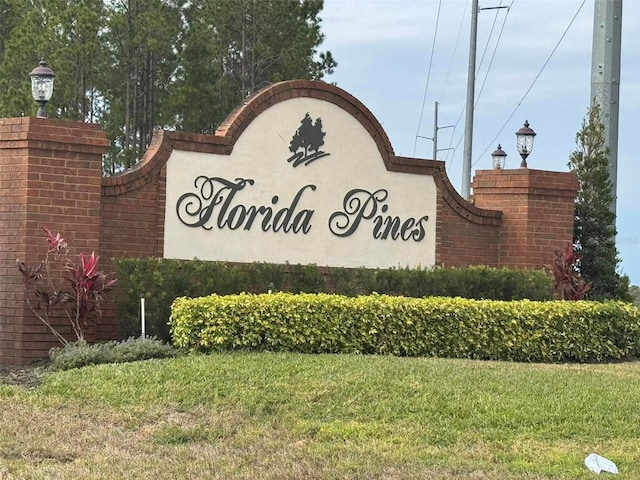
[[74, 441]]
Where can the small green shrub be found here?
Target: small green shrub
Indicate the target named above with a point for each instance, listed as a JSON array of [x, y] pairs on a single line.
[[163, 280], [76, 355], [380, 324]]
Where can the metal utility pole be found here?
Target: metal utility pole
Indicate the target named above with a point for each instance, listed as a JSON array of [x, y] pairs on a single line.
[[471, 97], [436, 127], [605, 77], [435, 132], [468, 124]]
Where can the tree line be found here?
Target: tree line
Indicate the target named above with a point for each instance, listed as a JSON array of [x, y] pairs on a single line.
[[139, 65]]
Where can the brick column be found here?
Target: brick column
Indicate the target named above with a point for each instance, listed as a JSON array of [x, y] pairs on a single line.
[[50, 174], [537, 212]]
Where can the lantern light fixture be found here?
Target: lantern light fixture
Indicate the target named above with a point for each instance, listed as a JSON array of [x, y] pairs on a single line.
[[42, 86], [498, 157], [524, 142]]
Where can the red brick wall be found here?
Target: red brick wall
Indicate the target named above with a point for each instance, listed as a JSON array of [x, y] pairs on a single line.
[[537, 212], [13, 221], [49, 176], [466, 235]]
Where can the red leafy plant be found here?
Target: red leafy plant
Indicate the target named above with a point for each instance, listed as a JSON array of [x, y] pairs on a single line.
[[80, 302], [568, 284]]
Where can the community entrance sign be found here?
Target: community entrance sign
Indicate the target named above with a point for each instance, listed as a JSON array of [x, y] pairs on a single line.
[[304, 183], [301, 172]]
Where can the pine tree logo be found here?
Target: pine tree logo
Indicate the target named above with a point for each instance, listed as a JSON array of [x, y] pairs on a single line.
[[306, 142]]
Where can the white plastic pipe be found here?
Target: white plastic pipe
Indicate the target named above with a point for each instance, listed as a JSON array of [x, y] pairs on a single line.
[[142, 321]]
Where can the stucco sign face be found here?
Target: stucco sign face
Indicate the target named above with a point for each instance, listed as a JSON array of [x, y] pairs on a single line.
[[305, 183]]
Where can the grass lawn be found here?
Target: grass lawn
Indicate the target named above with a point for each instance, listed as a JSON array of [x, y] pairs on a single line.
[[286, 416]]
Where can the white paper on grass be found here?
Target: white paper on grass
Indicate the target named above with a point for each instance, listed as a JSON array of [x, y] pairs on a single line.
[[597, 464]]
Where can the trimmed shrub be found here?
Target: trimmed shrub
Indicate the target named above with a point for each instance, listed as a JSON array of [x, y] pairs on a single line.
[[380, 324], [163, 280], [75, 355]]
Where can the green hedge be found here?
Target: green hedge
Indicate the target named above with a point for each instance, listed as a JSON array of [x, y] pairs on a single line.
[[162, 280], [379, 324]]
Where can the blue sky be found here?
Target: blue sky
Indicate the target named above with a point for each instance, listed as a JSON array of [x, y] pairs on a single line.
[[388, 58]]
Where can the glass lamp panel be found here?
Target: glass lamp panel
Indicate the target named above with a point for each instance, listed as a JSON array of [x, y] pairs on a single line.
[[525, 144], [41, 88], [498, 158]]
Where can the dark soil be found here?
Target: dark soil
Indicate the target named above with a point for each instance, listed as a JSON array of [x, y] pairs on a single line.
[[30, 376]]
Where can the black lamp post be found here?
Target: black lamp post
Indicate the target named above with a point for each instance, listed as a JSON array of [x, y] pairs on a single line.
[[524, 139], [42, 86], [498, 156]]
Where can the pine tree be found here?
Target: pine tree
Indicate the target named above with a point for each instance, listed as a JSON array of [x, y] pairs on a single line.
[[594, 223]]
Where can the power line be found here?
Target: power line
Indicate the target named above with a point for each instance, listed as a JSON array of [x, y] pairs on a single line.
[[455, 49], [532, 83], [426, 87], [452, 150], [486, 45], [504, 22]]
